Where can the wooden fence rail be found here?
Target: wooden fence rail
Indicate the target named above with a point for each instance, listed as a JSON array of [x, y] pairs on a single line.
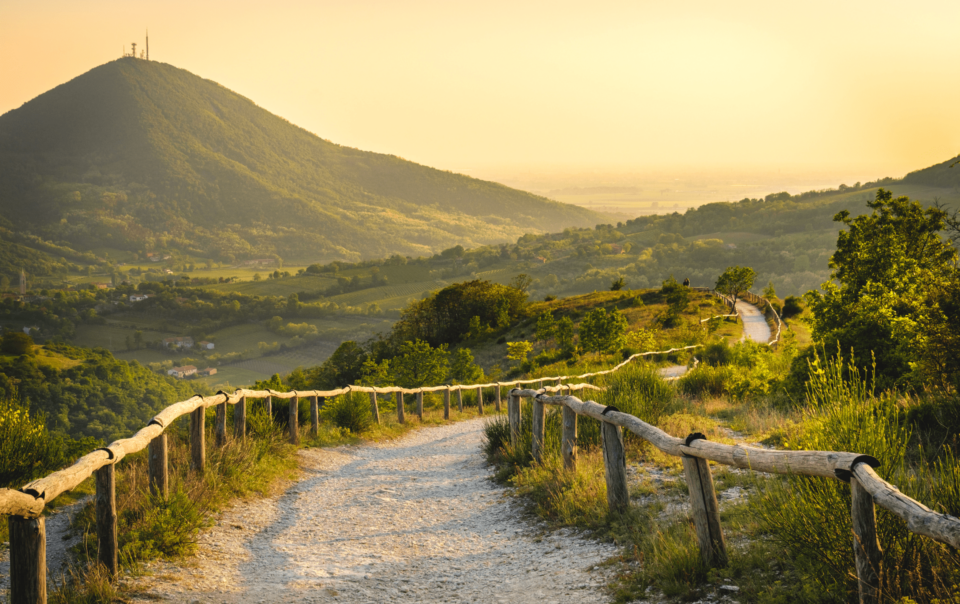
[[25, 506], [868, 489]]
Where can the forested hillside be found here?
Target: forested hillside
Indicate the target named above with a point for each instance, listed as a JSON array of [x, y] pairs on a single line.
[[142, 156]]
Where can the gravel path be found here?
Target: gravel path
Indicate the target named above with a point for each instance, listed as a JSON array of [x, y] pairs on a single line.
[[755, 326], [413, 520], [60, 538]]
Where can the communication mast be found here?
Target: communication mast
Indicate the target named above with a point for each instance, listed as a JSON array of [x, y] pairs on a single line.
[[148, 44], [133, 53]]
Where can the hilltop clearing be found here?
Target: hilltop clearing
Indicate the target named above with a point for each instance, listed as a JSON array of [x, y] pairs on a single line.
[[140, 156]]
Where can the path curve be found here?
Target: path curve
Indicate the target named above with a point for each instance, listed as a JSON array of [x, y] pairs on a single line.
[[755, 326], [412, 520]]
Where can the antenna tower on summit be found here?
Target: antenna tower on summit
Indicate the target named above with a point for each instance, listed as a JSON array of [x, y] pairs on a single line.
[[148, 44]]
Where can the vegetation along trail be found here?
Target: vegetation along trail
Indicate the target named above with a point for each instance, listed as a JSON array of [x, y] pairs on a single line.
[[413, 520]]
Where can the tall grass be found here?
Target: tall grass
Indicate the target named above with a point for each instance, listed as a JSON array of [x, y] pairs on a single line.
[[149, 526], [810, 517]]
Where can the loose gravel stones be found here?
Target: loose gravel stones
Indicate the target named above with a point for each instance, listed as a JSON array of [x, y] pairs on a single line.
[[413, 520]]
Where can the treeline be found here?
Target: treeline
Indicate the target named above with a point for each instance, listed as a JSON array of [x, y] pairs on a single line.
[[86, 392]]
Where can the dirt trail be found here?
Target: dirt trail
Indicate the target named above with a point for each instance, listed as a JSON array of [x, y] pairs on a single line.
[[414, 520], [755, 325]]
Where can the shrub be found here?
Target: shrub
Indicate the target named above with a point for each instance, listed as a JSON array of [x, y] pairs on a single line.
[[706, 380], [717, 353], [792, 306], [350, 411], [27, 449]]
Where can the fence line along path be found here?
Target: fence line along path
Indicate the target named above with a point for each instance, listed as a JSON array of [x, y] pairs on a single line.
[[27, 529], [867, 488]]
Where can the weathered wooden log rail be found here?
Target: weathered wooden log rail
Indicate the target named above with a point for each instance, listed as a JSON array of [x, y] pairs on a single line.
[[868, 489], [25, 506]]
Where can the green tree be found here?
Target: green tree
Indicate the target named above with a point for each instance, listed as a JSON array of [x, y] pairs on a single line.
[[518, 351], [735, 280], [138, 339], [373, 373], [521, 282], [565, 335], [889, 272], [602, 331], [344, 367], [419, 364], [464, 370], [16, 343], [677, 296], [546, 326], [617, 284], [770, 292]]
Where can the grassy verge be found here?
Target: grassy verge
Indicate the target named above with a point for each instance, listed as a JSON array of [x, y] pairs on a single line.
[[788, 537], [149, 526]]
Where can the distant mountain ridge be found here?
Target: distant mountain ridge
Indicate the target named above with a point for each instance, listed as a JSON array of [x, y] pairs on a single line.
[[141, 155], [945, 174]]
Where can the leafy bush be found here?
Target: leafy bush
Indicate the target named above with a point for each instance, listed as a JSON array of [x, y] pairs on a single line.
[[28, 450], [350, 411]]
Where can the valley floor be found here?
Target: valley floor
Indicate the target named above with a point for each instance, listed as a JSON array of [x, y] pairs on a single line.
[[413, 520]]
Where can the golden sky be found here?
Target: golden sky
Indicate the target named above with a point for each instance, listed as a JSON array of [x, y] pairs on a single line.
[[848, 85]]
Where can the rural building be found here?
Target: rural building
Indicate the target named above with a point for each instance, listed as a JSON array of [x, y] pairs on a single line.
[[30, 330], [139, 297], [205, 345], [207, 371], [182, 372], [178, 342]]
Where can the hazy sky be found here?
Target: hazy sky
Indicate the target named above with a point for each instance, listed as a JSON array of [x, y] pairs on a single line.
[[856, 85]]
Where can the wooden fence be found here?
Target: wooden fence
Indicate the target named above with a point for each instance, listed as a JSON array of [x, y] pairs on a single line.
[[28, 571], [867, 488], [27, 529]]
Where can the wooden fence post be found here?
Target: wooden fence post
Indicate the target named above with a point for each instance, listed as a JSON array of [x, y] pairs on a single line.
[[268, 404], [157, 452], [314, 417], [220, 427], [293, 423], [374, 408], [615, 467], [240, 419], [400, 415], [497, 400], [198, 439], [479, 400], [539, 419], [705, 511], [513, 414], [460, 399], [569, 442], [28, 560], [106, 512], [420, 404], [446, 403], [866, 547]]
